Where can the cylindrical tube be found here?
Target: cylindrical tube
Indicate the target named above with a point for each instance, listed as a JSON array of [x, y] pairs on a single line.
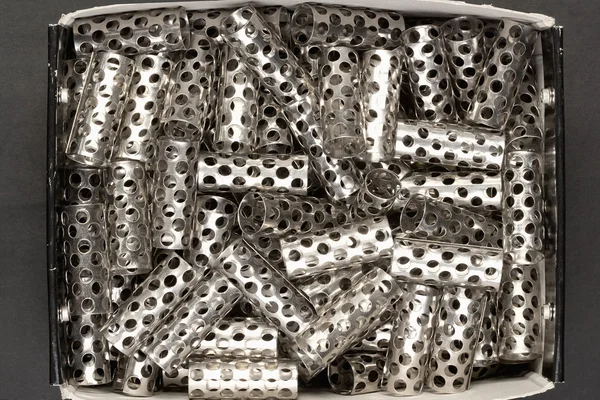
[[427, 67], [480, 192], [449, 145], [232, 173], [158, 30], [335, 248], [520, 313], [465, 52], [486, 352], [410, 340], [136, 375], [136, 139], [190, 104], [490, 34], [215, 220], [71, 83], [427, 219], [88, 350], [522, 215], [356, 373], [174, 194], [279, 18], [83, 233], [455, 339], [484, 372], [353, 27], [151, 302], [376, 195], [377, 342], [339, 96], [177, 380], [194, 318], [504, 71], [128, 218], [269, 247], [122, 287], [100, 109], [380, 74], [267, 289], [273, 133], [81, 185], [443, 264], [218, 378], [205, 23], [400, 168], [308, 57]]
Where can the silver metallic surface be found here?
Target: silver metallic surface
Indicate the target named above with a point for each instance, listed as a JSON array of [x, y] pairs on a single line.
[[410, 342], [490, 34], [308, 56], [214, 222], [455, 339], [222, 173], [223, 378], [377, 342], [464, 42], [279, 18], [139, 127], [443, 264], [151, 302], [269, 247], [196, 316], [174, 194], [205, 23], [81, 185], [129, 223], [428, 73], [88, 351], [400, 168], [273, 132], [100, 108], [354, 27], [335, 248], [136, 375], [84, 254], [449, 145], [523, 203], [504, 71], [122, 287], [340, 102], [177, 380], [520, 313], [380, 75], [377, 194], [484, 372], [356, 373], [427, 219], [192, 97], [71, 82], [130, 33], [486, 352]]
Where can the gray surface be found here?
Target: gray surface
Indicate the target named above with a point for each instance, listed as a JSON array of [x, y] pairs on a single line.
[[23, 312]]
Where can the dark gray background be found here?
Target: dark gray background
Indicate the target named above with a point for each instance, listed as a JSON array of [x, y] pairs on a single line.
[[23, 312]]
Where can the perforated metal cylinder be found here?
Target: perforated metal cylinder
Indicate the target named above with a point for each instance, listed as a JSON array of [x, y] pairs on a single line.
[[410, 340], [480, 192], [335, 248], [400, 168], [485, 372], [269, 247], [195, 317], [130, 33], [340, 101], [380, 75], [82, 230], [222, 378], [273, 135], [214, 222], [129, 218], [424, 218], [190, 105], [88, 350], [279, 18], [504, 71], [151, 303], [442, 264], [486, 352], [455, 339], [347, 321], [427, 68], [139, 127], [466, 55], [174, 194], [308, 56], [520, 313], [100, 108], [177, 380], [449, 145], [71, 82], [354, 27], [81, 185], [205, 23], [267, 289], [377, 342], [266, 173], [490, 34], [238, 108], [356, 373], [522, 215], [136, 375], [376, 195], [122, 287]]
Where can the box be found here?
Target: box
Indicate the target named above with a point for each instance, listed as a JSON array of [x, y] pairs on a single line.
[[548, 60]]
